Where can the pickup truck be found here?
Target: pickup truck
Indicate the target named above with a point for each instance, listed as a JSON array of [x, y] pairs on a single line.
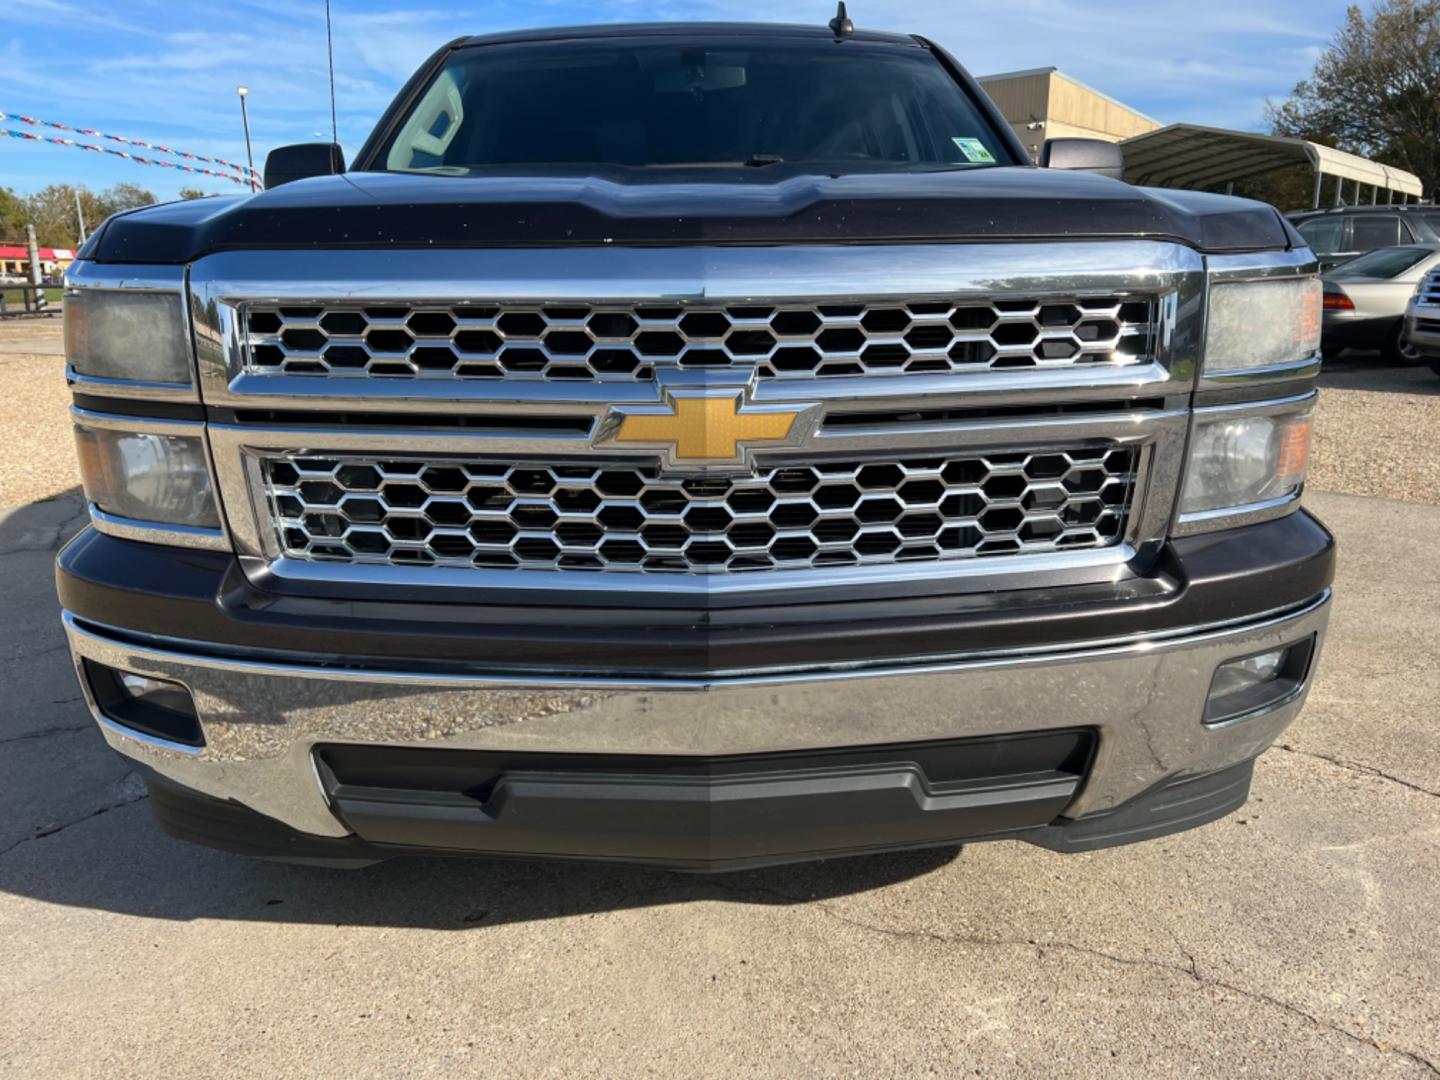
[[699, 445]]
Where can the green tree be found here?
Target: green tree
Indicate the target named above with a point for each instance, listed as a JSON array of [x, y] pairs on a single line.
[[1376, 89], [192, 193], [14, 216], [125, 196], [53, 209]]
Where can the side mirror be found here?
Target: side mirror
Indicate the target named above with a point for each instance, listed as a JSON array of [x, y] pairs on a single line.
[[1090, 155], [301, 161]]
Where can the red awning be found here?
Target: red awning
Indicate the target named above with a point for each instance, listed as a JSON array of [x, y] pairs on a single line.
[[14, 251]]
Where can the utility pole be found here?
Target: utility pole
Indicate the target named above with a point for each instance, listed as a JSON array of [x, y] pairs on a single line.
[[243, 91], [34, 254], [80, 215]]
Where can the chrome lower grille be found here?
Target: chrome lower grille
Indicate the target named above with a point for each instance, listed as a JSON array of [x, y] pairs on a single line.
[[628, 342], [583, 517]]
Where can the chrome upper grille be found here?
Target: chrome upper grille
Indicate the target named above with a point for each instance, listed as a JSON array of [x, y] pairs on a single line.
[[460, 512], [628, 342]]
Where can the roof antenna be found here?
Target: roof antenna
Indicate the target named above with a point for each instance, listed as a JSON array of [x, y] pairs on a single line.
[[330, 56], [840, 25]]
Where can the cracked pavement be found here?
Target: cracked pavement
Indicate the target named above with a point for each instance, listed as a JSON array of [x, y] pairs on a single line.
[[1295, 938]]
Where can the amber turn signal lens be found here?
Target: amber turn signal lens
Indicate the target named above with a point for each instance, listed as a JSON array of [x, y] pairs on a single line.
[[1293, 455]]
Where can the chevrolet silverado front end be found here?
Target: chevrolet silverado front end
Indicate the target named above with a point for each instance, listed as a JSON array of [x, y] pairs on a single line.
[[701, 445]]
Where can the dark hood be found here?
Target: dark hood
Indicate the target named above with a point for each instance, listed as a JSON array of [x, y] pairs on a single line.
[[654, 207]]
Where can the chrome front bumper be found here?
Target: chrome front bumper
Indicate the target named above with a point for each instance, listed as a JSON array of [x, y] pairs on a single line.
[[263, 719]]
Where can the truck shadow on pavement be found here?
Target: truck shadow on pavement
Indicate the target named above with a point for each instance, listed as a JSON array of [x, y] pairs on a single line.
[[75, 829]]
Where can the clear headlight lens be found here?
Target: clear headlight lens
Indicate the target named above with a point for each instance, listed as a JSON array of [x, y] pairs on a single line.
[[1237, 461], [1261, 323], [150, 478], [119, 334]]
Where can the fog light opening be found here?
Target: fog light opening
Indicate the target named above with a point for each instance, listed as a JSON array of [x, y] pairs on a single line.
[[155, 707], [1252, 684]]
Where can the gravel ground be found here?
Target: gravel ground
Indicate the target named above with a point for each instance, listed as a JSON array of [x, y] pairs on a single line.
[[1377, 431], [37, 451]]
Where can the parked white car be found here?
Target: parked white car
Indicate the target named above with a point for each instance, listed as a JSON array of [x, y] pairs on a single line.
[[1365, 300]]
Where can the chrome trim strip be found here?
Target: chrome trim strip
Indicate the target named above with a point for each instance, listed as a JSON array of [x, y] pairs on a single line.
[[999, 572], [713, 274], [145, 425], [205, 654], [1258, 266], [112, 731], [1121, 426], [979, 389], [1186, 635], [579, 397], [1230, 517], [1309, 397], [85, 274], [1306, 368], [125, 528], [127, 388]]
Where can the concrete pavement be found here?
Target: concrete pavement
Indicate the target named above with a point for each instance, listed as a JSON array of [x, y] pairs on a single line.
[[1297, 938]]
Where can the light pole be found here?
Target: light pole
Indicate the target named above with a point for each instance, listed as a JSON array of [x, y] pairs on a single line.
[[245, 119]]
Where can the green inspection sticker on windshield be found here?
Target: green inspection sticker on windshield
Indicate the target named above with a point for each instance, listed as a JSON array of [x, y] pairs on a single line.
[[974, 150]]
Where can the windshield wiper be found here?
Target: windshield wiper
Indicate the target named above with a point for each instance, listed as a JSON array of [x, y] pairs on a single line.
[[759, 161]]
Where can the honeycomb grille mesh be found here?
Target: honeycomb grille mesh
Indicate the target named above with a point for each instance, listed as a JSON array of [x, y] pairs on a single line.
[[454, 512], [628, 342]]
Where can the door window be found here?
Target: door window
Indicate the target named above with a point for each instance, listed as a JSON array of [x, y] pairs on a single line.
[[1323, 234], [1371, 231]]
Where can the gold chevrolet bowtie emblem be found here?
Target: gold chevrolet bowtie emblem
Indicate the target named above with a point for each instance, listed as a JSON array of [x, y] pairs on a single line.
[[707, 427]]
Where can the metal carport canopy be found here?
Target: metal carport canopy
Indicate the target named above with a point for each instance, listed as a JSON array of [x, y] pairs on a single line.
[[1193, 156]]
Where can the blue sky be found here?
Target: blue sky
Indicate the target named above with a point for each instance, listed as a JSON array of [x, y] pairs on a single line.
[[166, 70]]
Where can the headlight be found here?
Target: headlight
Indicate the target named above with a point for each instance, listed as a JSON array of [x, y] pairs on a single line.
[[1242, 458], [147, 477], [125, 334], [1257, 324]]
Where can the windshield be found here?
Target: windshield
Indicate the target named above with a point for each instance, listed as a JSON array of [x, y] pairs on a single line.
[[667, 104], [1385, 263]]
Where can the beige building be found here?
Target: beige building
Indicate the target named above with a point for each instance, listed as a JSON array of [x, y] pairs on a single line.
[[1045, 103]]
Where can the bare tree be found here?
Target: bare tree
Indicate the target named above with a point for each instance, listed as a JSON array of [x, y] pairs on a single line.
[[1376, 90]]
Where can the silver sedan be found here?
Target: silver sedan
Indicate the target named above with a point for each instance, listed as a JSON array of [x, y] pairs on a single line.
[[1365, 300]]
